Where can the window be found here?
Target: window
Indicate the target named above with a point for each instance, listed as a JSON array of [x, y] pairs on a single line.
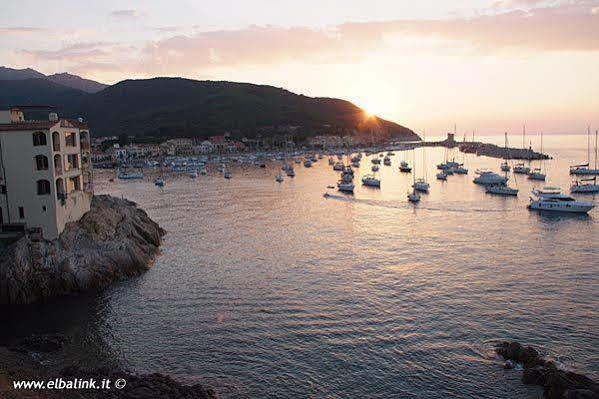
[[41, 162], [72, 162], [71, 140], [2, 189], [21, 212], [56, 141], [44, 208], [39, 138], [43, 187]]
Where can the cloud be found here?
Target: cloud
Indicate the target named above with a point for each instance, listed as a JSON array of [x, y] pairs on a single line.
[[595, 10], [19, 30], [510, 4], [126, 13]]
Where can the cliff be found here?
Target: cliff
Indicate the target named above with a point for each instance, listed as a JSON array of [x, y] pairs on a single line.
[[114, 240]]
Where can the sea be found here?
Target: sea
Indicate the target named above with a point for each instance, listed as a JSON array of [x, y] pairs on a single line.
[[270, 290]]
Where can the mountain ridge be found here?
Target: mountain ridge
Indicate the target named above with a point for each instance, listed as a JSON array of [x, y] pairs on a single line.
[[64, 78]]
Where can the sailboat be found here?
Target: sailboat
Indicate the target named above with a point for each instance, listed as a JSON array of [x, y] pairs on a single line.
[[588, 185], [505, 167], [586, 169], [421, 184], [520, 168], [414, 196], [537, 173]]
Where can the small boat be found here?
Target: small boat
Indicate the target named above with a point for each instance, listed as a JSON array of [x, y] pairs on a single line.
[[130, 175], [331, 161], [193, 175], [501, 189], [375, 161], [346, 187], [585, 186], [505, 167], [551, 199], [371, 181], [375, 168], [330, 186], [203, 171], [441, 176], [355, 164], [536, 174], [387, 161], [228, 175], [521, 169], [279, 178], [159, 182], [414, 196], [405, 167], [339, 166], [290, 172], [308, 163], [421, 185], [586, 168], [460, 170]]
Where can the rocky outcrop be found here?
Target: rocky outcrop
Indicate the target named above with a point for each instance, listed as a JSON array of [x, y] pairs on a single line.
[[557, 383], [114, 240], [18, 366]]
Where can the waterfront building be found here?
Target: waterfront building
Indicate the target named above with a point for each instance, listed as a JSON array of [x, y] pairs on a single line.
[[46, 175]]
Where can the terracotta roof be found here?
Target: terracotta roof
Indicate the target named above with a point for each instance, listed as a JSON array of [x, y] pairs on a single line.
[[41, 125], [27, 125]]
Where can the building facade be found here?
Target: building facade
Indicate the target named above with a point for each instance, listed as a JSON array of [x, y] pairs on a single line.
[[46, 175]]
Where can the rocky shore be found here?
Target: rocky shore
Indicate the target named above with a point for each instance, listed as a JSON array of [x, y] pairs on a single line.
[[495, 151], [18, 364], [557, 383], [114, 240]]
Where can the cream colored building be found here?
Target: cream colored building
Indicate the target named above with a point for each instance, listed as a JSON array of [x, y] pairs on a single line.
[[46, 176]]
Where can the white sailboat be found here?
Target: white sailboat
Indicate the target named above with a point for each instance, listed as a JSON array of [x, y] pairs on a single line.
[[414, 196], [537, 173], [421, 184], [505, 167], [586, 168]]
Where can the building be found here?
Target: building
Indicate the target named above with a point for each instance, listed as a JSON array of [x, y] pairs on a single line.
[[46, 175]]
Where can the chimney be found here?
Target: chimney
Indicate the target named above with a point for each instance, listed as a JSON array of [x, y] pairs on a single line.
[[53, 116]]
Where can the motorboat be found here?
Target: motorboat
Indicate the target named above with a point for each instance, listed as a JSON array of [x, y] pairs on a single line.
[[371, 181], [130, 175], [486, 177], [339, 166], [331, 161], [290, 172], [375, 168], [387, 161], [460, 170], [159, 182], [355, 164], [376, 161], [346, 187], [308, 163], [551, 199], [421, 185], [501, 189], [585, 186], [441, 175], [505, 167], [414, 196], [405, 167], [203, 171], [228, 175], [448, 165]]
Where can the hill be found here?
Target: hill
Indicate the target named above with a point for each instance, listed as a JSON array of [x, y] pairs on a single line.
[[65, 79], [183, 107]]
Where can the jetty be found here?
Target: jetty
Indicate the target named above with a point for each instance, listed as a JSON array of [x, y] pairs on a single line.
[[486, 149]]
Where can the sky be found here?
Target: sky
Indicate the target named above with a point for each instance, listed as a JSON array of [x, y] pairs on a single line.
[[488, 66]]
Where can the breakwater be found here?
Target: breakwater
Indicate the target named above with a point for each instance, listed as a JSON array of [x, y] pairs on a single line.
[[488, 150]]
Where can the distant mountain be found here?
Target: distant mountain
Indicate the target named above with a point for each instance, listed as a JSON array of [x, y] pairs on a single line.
[[19, 74], [65, 79], [77, 82], [183, 107]]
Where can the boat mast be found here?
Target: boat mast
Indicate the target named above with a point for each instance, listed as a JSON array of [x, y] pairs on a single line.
[[589, 145]]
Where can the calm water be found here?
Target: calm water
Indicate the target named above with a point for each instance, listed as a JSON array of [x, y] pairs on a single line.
[[270, 290]]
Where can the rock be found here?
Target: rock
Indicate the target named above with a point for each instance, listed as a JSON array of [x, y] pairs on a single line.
[[557, 384], [114, 240], [40, 343]]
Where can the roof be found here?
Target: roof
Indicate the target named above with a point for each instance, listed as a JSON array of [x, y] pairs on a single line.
[[27, 125], [41, 125]]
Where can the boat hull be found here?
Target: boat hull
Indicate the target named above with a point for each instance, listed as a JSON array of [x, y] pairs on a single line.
[[549, 206]]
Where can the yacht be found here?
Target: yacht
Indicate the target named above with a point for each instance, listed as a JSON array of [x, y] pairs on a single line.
[[448, 165], [505, 167], [371, 181], [405, 167], [414, 196], [331, 161], [355, 164], [203, 171], [521, 169], [460, 170], [193, 175], [486, 177], [585, 186], [586, 168], [290, 172], [551, 199]]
